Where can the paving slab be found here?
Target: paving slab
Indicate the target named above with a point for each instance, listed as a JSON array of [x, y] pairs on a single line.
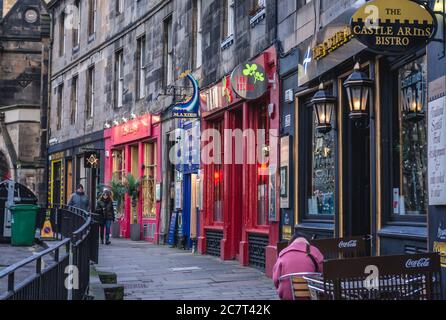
[[151, 272]]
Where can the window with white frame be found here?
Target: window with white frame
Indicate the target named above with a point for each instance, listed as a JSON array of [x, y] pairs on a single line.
[[140, 67], [89, 110], [198, 37], [228, 18], [119, 78], [168, 52], [74, 100]]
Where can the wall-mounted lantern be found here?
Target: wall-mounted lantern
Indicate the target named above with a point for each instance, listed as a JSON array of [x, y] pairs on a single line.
[[359, 89], [413, 98], [324, 106]]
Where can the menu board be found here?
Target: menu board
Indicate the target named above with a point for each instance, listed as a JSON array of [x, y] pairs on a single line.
[[437, 149]]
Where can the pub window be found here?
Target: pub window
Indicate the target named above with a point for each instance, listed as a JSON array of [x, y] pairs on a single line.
[[322, 169], [140, 67], [410, 142], [263, 169], [149, 181], [119, 164], [89, 110], [74, 100], [218, 177], [59, 106], [82, 174]]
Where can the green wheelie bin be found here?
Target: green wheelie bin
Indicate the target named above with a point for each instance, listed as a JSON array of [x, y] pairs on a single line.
[[23, 224]]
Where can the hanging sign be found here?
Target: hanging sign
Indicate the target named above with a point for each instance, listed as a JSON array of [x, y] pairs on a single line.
[[92, 160], [394, 27], [190, 108], [249, 81]]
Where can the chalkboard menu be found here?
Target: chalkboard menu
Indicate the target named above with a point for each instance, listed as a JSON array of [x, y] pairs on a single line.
[[172, 229]]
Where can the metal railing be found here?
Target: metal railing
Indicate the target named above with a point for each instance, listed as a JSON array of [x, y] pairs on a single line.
[[62, 271]]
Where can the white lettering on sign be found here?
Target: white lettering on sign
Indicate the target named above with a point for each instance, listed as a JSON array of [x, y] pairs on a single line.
[[437, 152], [421, 263], [348, 244]]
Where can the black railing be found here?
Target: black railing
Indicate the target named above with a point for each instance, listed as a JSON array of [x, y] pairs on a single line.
[[62, 272]]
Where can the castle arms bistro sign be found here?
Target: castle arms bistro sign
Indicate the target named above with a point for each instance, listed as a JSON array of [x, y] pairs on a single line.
[[393, 27]]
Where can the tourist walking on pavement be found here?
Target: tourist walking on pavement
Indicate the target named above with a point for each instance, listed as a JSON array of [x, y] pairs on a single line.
[[298, 257], [106, 210], [79, 199]]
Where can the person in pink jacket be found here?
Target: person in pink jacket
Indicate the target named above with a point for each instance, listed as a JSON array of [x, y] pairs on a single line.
[[298, 257]]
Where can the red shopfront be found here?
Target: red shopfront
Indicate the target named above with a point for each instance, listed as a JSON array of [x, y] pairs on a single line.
[[134, 148], [240, 202]]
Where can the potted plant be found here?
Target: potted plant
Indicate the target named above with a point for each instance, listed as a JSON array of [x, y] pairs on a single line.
[[133, 188]]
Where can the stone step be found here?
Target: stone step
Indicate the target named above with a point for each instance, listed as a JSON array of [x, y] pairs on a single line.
[[107, 277]]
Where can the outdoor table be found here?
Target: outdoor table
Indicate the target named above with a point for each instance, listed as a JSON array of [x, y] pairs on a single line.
[[390, 288]]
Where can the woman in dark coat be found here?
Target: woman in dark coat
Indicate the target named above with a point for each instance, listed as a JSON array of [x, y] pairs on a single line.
[[107, 211]]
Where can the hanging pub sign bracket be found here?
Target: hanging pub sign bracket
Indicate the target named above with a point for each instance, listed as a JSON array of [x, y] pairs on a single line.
[[394, 27], [190, 108]]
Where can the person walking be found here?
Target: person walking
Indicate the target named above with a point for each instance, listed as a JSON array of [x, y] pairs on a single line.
[[106, 209], [298, 257], [79, 199]]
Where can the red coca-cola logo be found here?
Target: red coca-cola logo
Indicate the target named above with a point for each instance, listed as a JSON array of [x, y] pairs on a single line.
[[420, 263], [348, 244]]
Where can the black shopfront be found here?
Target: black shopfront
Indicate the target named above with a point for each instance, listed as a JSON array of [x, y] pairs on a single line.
[[68, 166], [364, 176]]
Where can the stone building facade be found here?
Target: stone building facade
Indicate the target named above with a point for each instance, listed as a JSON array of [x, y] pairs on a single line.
[[24, 57]]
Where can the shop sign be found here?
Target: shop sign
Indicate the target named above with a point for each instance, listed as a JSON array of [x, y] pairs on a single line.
[[57, 156], [331, 44], [394, 27], [132, 130], [91, 160], [437, 143], [190, 108], [249, 81]]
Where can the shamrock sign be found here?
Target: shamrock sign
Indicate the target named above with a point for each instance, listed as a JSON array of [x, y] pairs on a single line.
[[249, 81], [251, 71]]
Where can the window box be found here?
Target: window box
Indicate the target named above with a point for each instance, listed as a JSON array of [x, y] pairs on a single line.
[[229, 41], [257, 16]]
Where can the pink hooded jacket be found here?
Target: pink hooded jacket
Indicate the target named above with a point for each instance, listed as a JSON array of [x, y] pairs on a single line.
[[294, 259]]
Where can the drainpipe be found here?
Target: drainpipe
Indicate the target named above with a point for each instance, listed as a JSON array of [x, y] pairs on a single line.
[[9, 145]]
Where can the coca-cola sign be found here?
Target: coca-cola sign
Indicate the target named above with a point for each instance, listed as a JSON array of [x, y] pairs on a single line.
[[348, 244], [420, 263]]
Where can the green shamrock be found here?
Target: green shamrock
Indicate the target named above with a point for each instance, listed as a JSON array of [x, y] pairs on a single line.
[[251, 71]]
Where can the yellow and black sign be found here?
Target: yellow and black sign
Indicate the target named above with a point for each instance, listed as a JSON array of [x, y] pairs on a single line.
[[92, 159], [331, 44], [394, 26]]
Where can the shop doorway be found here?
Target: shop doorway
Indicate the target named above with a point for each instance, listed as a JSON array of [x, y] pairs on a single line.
[[357, 179]]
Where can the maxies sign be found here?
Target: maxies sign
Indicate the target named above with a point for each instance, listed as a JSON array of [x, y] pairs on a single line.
[[393, 26]]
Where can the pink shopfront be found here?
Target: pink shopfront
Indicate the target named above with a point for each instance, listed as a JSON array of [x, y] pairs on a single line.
[[134, 148]]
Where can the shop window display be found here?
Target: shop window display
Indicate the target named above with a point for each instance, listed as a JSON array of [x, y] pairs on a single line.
[[322, 196], [149, 181], [410, 141]]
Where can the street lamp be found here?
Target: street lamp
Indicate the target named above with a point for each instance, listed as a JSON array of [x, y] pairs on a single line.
[[413, 100], [324, 105], [359, 88]]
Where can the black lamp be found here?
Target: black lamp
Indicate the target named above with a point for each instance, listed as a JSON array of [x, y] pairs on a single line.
[[359, 89], [413, 100], [324, 105]]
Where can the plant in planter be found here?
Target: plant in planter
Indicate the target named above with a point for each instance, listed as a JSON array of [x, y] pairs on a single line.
[[133, 188]]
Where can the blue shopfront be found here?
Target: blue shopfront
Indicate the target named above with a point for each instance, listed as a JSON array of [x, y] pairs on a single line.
[[187, 185]]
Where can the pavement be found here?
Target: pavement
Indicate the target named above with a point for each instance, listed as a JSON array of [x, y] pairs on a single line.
[[151, 272], [10, 255]]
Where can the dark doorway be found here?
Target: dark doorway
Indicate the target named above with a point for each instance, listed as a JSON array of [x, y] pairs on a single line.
[[357, 179]]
